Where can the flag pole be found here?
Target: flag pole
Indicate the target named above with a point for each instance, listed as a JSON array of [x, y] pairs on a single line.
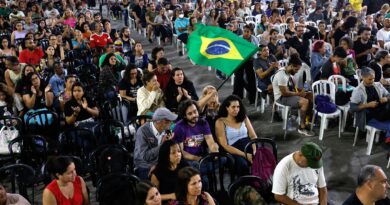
[[224, 82]]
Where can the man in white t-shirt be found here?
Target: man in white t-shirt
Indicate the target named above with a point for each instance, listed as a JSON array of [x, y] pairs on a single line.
[[287, 93], [299, 177], [383, 35]]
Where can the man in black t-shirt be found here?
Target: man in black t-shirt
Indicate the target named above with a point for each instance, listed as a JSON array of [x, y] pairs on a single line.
[[275, 47], [372, 187], [265, 66], [363, 47], [139, 12]]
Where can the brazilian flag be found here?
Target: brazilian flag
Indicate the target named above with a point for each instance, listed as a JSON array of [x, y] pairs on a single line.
[[219, 48]]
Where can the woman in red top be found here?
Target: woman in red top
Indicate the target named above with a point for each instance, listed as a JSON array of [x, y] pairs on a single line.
[[67, 188]]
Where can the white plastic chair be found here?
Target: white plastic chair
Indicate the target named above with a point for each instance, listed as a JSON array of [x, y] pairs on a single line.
[[372, 133], [387, 46], [250, 19], [305, 69], [263, 102], [282, 28], [258, 19], [324, 87], [285, 110], [340, 81], [283, 63], [311, 23]]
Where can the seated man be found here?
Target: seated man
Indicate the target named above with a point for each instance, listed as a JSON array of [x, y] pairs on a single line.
[[191, 133], [163, 72], [150, 16], [265, 66], [369, 101], [181, 27], [299, 177], [7, 198], [372, 187], [287, 93], [148, 139]]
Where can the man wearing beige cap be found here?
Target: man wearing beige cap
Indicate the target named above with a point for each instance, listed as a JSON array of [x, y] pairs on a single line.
[[299, 177], [148, 139]]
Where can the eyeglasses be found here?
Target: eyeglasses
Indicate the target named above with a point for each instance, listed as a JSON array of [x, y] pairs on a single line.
[[134, 73]]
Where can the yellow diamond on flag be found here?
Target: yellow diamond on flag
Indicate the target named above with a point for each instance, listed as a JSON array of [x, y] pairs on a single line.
[[219, 48]]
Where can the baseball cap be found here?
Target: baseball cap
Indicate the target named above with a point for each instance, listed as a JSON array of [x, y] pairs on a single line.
[[313, 154], [387, 16], [163, 114]]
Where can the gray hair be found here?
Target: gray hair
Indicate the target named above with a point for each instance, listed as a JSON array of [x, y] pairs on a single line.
[[367, 71], [366, 173]]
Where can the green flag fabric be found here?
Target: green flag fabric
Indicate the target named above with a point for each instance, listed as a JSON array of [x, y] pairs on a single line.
[[219, 48]]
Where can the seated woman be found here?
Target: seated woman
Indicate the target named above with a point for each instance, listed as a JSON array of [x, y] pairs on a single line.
[[67, 94], [189, 189], [148, 194], [80, 110], [149, 96], [234, 131], [318, 57], [128, 87], [179, 88], [157, 54], [209, 105], [369, 101], [168, 165], [37, 96], [67, 187], [348, 66]]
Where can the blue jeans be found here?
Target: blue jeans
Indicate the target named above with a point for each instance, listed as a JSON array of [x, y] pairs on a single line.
[[382, 125], [142, 173]]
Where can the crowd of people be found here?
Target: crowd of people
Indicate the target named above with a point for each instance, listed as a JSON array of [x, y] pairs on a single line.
[[64, 59]]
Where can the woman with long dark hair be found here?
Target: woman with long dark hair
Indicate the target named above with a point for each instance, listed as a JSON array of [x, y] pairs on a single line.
[[179, 88], [6, 49], [234, 131], [168, 165], [343, 30], [148, 194], [189, 189], [79, 108], [38, 95], [128, 87]]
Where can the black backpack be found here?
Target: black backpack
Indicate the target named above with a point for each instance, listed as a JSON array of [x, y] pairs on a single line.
[[113, 159], [117, 189]]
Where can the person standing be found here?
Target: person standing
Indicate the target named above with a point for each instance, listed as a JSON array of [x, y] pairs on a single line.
[[246, 69]]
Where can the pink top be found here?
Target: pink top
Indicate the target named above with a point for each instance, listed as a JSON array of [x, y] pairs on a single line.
[[71, 22]]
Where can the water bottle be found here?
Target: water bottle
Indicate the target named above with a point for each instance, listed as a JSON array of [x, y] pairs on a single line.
[[289, 124], [306, 86]]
